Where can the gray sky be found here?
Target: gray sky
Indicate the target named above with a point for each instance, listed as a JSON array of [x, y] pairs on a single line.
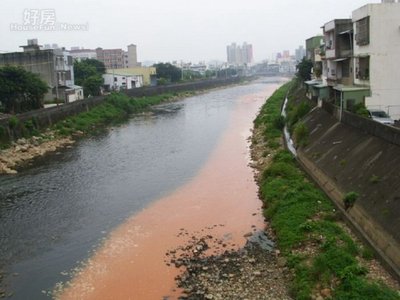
[[166, 30]]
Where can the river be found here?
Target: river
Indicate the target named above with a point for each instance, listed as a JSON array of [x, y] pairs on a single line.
[[120, 198]]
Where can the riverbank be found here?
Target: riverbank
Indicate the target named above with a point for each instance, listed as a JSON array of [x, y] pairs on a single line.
[[24, 151], [116, 109], [325, 259]]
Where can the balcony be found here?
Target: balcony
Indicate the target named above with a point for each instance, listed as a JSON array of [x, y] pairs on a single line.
[[345, 53], [330, 53]]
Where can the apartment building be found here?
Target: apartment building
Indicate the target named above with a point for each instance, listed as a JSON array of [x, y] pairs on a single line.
[[239, 55], [377, 54], [54, 66], [118, 58], [360, 59]]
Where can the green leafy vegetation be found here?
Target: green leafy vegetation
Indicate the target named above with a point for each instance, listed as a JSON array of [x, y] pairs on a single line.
[[20, 90], [167, 73], [304, 69], [349, 199], [318, 250], [115, 108], [13, 122], [297, 108], [360, 110], [88, 74], [300, 134]]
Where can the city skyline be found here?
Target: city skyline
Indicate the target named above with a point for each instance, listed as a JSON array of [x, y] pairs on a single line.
[[174, 31]]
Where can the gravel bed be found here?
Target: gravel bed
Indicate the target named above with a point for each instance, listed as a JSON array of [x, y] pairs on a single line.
[[212, 268]]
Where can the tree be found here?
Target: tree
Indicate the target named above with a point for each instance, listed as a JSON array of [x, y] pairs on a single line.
[[88, 74], [20, 90], [304, 69], [92, 85], [168, 72]]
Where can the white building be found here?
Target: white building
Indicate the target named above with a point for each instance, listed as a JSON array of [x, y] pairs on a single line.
[[80, 54], [117, 82], [377, 54]]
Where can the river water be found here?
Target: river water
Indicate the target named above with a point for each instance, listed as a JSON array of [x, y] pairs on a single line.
[[120, 197]]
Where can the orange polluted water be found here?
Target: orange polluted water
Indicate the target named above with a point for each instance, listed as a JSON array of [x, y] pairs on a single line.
[[131, 263]]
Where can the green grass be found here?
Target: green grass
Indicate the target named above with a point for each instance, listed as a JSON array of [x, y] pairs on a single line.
[[116, 108], [303, 218]]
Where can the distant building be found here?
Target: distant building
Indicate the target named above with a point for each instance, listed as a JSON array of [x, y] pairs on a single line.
[[80, 54], [54, 66], [118, 58], [131, 57], [118, 82], [300, 53], [112, 58], [147, 73], [286, 54], [239, 55]]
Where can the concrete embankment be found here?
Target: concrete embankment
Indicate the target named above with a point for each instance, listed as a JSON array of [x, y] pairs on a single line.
[[343, 158]]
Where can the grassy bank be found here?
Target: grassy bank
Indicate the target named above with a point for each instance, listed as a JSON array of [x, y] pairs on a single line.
[[326, 262], [116, 108]]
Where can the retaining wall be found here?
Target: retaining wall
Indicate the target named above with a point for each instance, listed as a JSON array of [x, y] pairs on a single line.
[[363, 156]]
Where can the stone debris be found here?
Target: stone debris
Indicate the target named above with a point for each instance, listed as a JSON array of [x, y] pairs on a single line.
[[227, 273], [25, 150]]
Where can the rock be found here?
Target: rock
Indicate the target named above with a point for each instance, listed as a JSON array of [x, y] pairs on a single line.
[[209, 296], [21, 141], [326, 293], [24, 148], [249, 234], [281, 262]]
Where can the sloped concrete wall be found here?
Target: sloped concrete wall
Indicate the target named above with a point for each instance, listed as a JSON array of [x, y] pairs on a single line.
[[343, 158]]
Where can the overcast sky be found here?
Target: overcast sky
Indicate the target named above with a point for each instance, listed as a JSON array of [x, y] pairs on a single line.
[[166, 30]]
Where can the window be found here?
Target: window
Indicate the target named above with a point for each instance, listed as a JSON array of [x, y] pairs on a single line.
[[362, 68], [362, 32], [346, 68]]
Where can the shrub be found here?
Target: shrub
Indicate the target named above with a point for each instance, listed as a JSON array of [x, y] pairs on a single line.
[[360, 109], [349, 199], [300, 134], [13, 122]]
